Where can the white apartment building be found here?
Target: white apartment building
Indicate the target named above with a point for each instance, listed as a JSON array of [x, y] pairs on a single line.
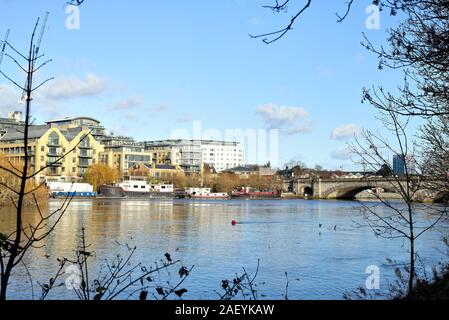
[[222, 155], [195, 153]]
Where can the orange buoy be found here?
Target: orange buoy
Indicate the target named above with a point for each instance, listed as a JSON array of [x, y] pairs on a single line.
[[234, 222]]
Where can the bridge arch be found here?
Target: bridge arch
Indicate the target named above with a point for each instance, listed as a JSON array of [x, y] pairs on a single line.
[[344, 192]]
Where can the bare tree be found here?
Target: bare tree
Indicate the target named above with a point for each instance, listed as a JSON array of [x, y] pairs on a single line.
[[14, 246], [419, 47], [120, 277], [400, 220], [283, 7]]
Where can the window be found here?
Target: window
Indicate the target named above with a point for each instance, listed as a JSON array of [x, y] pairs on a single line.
[[85, 142], [53, 139]]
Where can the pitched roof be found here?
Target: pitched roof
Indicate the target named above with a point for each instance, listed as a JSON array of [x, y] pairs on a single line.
[[34, 132]]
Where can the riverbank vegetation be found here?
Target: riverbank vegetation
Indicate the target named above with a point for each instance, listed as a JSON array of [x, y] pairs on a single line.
[[10, 183], [101, 174]]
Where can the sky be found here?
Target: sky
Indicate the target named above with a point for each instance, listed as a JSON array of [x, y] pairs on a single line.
[[148, 69]]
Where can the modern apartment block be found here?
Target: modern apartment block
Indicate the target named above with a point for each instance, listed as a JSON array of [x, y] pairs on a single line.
[[14, 120], [165, 155], [47, 145], [94, 126], [48, 142], [124, 157], [222, 155], [190, 152], [400, 163], [119, 152], [194, 153]]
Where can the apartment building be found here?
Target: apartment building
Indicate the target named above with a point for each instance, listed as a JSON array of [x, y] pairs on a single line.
[[45, 148], [195, 153], [165, 155], [94, 126], [14, 120], [190, 153], [123, 153], [163, 172], [222, 155]]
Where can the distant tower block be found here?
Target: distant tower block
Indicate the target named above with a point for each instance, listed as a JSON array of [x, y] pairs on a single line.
[[16, 115]]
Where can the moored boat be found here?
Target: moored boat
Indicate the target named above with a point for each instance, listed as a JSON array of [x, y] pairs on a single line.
[[205, 193], [253, 193], [138, 189], [70, 190]]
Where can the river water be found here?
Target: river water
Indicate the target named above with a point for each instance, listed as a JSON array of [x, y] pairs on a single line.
[[320, 244]]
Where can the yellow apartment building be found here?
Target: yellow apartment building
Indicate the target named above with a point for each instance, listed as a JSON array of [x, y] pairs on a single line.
[[165, 155], [47, 145], [162, 172]]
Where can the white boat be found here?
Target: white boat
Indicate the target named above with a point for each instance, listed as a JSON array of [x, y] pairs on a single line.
[[205, 193], [143, 186], [139, 189]]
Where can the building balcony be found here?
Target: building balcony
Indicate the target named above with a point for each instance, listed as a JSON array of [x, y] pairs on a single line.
[[83, 166], [51, 154], [52, 174], [85, 156], [84, 147], [54, 145], [56, 164]]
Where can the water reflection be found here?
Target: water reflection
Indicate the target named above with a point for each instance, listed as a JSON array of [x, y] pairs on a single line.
[[316, 242]]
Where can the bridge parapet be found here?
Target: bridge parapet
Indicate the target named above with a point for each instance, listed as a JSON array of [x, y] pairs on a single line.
[[348, 188]]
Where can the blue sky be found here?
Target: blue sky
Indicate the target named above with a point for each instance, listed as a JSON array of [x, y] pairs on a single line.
[[146, 68]]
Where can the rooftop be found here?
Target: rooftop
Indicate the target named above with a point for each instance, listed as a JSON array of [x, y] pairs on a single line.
[[70, 119]]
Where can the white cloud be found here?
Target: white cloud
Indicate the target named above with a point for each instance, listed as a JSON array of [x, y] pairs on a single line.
[[72, 88], [276, 116], [9, 99], [129, 103], [341, 154], [292, 120], [346, 132]]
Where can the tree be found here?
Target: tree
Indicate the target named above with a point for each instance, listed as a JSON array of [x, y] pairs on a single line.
[[385, 171], [401, 219], [419, 46], [9, 183], [279, 7], [100, 174], [16, 245]]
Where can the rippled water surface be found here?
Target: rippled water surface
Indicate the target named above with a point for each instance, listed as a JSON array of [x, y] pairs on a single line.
[[285, 236]]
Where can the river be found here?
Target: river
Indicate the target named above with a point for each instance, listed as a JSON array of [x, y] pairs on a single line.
[[318, 243]]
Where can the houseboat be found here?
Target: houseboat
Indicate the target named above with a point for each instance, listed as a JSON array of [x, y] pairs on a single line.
[[252, 193], [138, 189], [67, 189], [205, 193]]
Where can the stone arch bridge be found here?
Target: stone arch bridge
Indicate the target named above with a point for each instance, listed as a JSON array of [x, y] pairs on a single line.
[[348, 188]]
